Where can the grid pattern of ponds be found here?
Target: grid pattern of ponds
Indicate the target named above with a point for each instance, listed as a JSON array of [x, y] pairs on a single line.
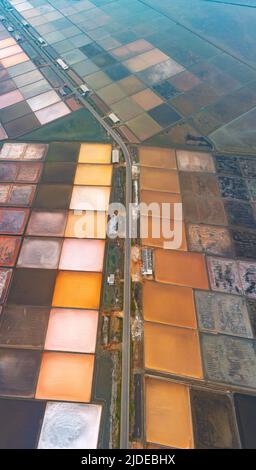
[[154, 65], [51, 258], [27, 99], [199, 308]]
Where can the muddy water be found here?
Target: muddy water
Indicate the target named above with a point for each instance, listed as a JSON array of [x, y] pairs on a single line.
[[175, 268], [159, 180], [172, 349], [158, 158], [155, 232], [171, 305], [168, 420]]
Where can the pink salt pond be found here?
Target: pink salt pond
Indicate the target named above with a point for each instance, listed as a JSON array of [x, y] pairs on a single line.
[[72, 330], [10, 98], [9, 51], [50, 113], [82, 255], [90, 198], [14, 60], [7, 42]]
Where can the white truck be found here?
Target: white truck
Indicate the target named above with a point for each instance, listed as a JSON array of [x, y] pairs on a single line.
[[114, 118], [62, 64], [84, 89]]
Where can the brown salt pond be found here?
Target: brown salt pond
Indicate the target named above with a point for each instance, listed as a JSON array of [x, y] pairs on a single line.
[[40, 253], [28, 172], [13, 221], [159, 180], [13, 151], [157, 157], [147, 99], [47, 224], [195, 161], [168, 416], [9, 248], [155, 231], [174, 267], [145, 60], [159, 197], [132, 48], [173, 350], [20, 151], [171, 305]]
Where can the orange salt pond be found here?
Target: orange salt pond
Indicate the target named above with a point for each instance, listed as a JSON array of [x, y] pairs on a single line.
[[95, 153], [171, 305], [155, 231], [146, 99], [168, 418], [184, 269], [86, 224], [159, 180], [65, 376], [173, 350], [148, 196], [77, 290], [157, 197], [158, 158], [93, 175], [90, 198]]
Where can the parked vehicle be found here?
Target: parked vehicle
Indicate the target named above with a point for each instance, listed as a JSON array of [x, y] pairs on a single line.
[[41, 41], [62, 64], [18, 37], [84, 89], [65, 90], [114, 118]]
